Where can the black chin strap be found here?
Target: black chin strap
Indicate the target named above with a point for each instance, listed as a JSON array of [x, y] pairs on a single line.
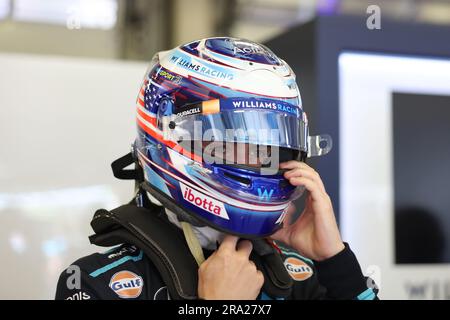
[[118, 168], [277, 281]]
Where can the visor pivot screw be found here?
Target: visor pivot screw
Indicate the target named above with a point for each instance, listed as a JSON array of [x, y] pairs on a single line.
[[159, 146], [172, 125]]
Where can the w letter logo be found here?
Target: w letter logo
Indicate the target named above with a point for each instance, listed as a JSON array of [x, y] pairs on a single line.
[[265, 195]]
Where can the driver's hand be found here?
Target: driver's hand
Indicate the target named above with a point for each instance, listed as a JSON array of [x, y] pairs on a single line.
[[228, 274]]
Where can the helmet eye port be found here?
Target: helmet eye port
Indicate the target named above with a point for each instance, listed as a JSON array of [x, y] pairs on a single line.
[[241, 180]]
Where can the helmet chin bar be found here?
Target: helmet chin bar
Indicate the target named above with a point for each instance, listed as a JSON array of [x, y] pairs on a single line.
[[314, 148], [190, 217], [185, 214]]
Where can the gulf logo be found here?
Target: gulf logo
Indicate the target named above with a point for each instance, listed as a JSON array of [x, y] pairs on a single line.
[[298, 269], [126, 284]]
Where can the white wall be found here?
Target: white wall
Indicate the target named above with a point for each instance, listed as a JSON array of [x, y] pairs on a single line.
[[62, 122], [366, 83]]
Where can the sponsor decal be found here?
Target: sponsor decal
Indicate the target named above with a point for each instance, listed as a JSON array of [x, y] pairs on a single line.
[[248, 48], [251, 50], [189, 65], [79, 296], [126, 284], [298, 269], [188, 110], [264, 194], [131, 249], [254, 104], [170, 76], [204, 202], [265, 105]]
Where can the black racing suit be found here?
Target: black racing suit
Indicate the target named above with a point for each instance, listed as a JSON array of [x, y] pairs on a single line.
[[125, 272]]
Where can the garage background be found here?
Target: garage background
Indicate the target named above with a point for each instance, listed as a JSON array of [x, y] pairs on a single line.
[[69, 74]]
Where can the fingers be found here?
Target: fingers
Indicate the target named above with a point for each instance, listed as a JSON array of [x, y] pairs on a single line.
[[281, 235], [259, 278], [292, 164], [310, 174], [228, 243], [301, 169], [245, 247], [315, 190]]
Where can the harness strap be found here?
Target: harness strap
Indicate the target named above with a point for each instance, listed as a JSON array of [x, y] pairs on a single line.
[[175, 256], [162, 243], [193, 243]]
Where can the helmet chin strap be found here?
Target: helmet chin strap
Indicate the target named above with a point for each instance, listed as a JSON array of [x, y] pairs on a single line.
[[207, 236], [193, 243]]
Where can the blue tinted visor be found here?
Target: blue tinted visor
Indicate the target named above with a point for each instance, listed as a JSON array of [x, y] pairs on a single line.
[[264, 122]]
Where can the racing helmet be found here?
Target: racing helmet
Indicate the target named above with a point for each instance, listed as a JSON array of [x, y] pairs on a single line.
[[215, 117]]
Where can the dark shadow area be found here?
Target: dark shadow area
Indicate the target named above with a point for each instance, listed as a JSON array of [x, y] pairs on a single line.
[[421, 150], [419, 237]]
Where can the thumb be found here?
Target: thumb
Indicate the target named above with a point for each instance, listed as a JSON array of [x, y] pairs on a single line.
[[280, 235]]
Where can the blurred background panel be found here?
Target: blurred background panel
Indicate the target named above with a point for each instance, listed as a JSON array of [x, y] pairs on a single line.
[[62, 121], [136, 29], [69, 74]]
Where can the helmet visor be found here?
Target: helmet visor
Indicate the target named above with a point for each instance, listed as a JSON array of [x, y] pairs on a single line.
[[251, 121]]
